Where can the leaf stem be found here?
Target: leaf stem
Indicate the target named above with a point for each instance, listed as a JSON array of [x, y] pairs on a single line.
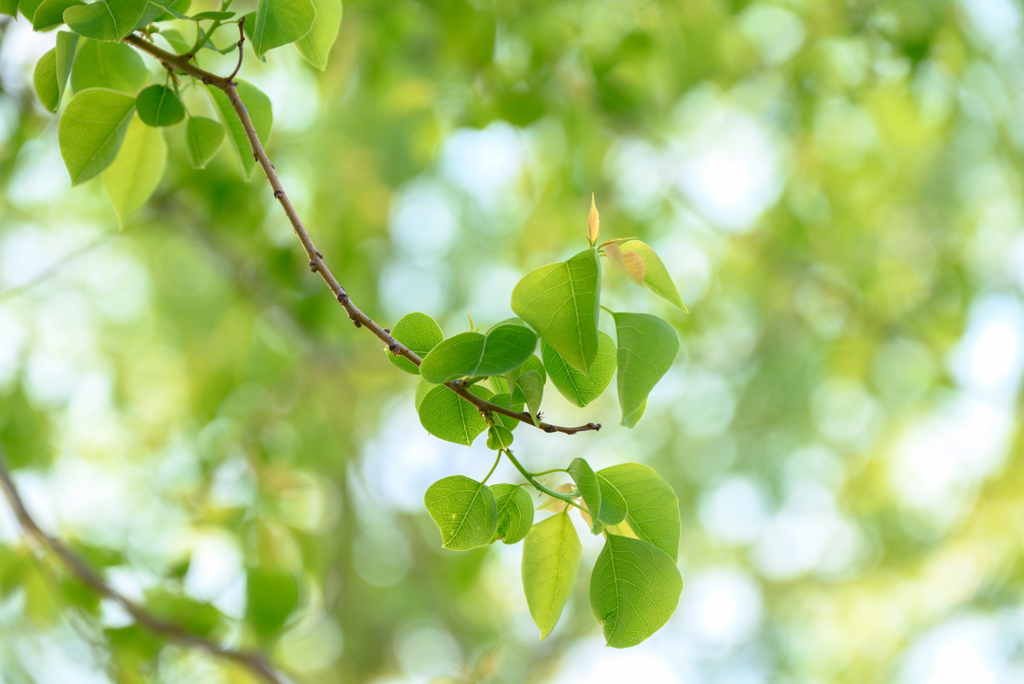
[[531, 478], [493, 467]]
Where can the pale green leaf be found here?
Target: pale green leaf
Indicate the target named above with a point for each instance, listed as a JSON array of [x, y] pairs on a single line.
[[465, 511], [589, 488], [628, 263], [647, 346], [261, 113], [50, 13], [448, 416], [656, 276], [499, 437], [577, 387], [91, 130], [279, 22], [136, 170], [316, 45], [531, 364], [634, 590], [472, 354], [515, 513], [176, 41], [108, 65], [203, 138], [532, 386], [106, 20], [44, 80], [420, 333], [551, 559], [159, 106], [561, 301], [652, 506]]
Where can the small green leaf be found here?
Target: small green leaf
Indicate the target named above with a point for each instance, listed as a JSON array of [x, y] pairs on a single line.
[[470, 354], [589, 488], [106, 20], [136, 170], [613, 506], [499, 437], [261, 113], [9, 7], [213, 14], [561, 301], [578, 388], [634, 590], [532, 386], [448, 416], [279, 22], [465, 511], [159, 106], [316, 45], [515, 513], [647, 347], [420, 333], [272, 595], [108, 65], [91, 131], [531, 364], [551, 559], [176, 41], [50, 13], [652, 506], [44, 79], [656, 276], [204, 137], [503, 399]]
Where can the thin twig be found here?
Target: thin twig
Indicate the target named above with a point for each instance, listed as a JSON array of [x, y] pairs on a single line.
[[316, 259], [253, 660], [241, 41]]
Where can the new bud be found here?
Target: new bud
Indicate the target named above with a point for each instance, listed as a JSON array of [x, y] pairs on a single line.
[[593, 222]]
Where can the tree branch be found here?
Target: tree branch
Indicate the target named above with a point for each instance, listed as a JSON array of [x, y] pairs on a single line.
[[316, 259], [252, 660]]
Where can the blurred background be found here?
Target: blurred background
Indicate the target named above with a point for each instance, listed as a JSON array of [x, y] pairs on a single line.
[[836, 188]]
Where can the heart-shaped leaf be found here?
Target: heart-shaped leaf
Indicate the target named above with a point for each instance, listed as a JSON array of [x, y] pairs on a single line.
[[465, 511], [279, 22], [448, 416], [420, 333], [91, 131], [499, 437], [562, 301], [578, 388], [106, 20], [204, 137], [551, 559], [515, 512], [655, 275], [652, 507], [472, 354], [647, 347]]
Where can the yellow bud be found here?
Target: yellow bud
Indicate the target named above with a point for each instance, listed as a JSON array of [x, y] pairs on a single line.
[[593, 222]]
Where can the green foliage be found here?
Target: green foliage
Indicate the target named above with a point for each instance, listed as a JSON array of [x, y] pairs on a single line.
[[499, 437], [261, 113], [551, 560], [137, 169], [44, 79], [446, 415], [159, 106], [471, 354], [589, 488], [465, 511], [280, 22], [652, 506], [203, 137], [91, 130], [108, 65], [105, 20], [531, 385], [315, 46], [656, 276], [420, 333], [647, 347], [613, 505], [9, 7], [515, 513], [576, 386], [50, 13]]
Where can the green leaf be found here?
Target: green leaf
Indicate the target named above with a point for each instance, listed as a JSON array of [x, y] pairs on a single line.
[[28, 8], [562, 301], [172, 10], [316, 45], [271, 596], [613, 505], [589, 488], [50, 13], [629, 264], [261, 113], [647, 348], [515, 513], [499, 437], [531, 364], [448, 416], [551, 559], [470, 354], [9, 7], [149, 15], [204, 137], [634, 590], [67, 43], [108, 65], [532, 386], [279, 22], [505, 400], [136, 170], [106, 20], [656, 276], [465, 511], [652, 506], [213, 14], [577, 387], [176, 41], [44, 79], [91, 131], [420, 333], [159, 106]]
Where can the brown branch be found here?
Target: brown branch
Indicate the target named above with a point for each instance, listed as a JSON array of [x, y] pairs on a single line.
[[316, 259], [252, 660]]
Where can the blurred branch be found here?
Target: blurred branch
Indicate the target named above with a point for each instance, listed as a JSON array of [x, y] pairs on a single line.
[[54, 268], [252, 660], [316, 259]]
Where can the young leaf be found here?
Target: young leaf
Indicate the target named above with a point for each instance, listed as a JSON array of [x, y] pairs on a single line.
[[448, 416], [176, 41], [106, 20], [503, 399], [531, 364], [260, 112], [652, 506], [551, 559], [613, 505], [634, 589], [656, 276], [159, 106], [213, 14], [562, 301], [590, 489], [629, 264], [91, 130], [471, 354], [50, 13], [316, 45], [499, 437], [593, 222], [44, 79], [108, 65], [204, 137], [136, 170], [556, 504], [420, 333], [515, 513], [532, 387], [279, 22], [578, 388], [465, 511], [647, 348]]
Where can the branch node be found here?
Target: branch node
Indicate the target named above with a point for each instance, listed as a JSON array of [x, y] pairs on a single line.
[[278, 194], [343, 299], [312, 266]]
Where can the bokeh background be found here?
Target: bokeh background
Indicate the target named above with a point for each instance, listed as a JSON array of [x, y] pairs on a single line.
[[836, 188]]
